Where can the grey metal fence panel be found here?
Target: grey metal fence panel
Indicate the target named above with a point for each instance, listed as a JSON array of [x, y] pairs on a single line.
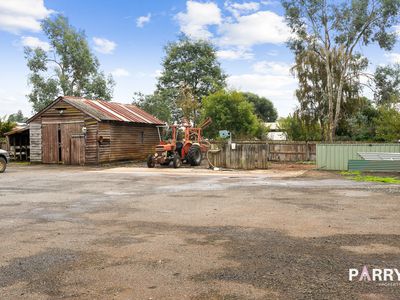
[[336, 156]]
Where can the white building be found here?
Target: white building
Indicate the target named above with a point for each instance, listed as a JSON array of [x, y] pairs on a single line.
[[274, 132]]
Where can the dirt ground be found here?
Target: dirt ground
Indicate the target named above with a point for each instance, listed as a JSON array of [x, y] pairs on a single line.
[[137, 233]]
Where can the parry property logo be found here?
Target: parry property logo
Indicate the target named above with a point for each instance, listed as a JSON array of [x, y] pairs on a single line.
[[386, 275]]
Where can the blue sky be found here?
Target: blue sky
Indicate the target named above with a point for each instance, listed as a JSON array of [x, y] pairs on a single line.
[[128, 38]]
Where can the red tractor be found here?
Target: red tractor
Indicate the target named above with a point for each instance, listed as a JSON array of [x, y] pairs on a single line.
[[190, 150]]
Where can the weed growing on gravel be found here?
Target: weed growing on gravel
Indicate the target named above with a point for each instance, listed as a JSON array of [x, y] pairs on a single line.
[[357, 176]]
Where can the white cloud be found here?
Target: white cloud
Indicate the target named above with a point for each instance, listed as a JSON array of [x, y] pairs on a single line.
[[232, 54], [273, 53], [142, 20], [198, 16], [397, 29], [120, 72], [34, 42], [234, 35], [103, 45], [279, 89], [239, 8], [271, 80], [18, 15], [272, 67], [270, 2], [393, 57], [258, 28], [12, 100], [157, 73]]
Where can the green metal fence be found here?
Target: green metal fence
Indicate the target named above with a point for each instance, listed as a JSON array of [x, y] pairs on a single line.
[[374, 165], [336, 156]]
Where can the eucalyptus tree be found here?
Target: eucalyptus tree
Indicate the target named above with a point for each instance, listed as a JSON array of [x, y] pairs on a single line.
[[334, 31], [67, 68], [387, 85]]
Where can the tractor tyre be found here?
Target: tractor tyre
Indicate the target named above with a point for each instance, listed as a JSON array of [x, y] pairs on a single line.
[[194, 155], [176, 161], [150, 161], [3, 164]]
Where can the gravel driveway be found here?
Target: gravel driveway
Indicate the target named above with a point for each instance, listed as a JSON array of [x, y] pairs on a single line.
[[136, 233]]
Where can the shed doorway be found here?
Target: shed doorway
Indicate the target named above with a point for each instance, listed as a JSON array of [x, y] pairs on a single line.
[[63, 143]]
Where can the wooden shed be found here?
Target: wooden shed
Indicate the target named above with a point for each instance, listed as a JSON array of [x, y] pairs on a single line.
[[79, 131]]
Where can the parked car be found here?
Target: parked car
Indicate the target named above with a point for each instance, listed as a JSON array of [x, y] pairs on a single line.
[[4, 160]]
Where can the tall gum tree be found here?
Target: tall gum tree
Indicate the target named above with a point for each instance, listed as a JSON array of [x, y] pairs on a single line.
[[333, 30], [68, 68]]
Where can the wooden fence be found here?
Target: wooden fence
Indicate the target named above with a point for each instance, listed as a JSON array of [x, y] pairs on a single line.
[[256, 155]]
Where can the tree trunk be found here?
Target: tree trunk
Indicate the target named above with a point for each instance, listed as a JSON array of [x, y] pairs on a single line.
[[330, 94], [338, 105]]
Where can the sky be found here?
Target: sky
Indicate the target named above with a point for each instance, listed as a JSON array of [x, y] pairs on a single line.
[[128, 37]]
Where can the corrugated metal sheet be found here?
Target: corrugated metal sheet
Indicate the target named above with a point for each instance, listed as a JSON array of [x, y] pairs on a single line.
[[379, 155], [105, 111], [17, 130], [112, 111], [336, 156], [374, 165]]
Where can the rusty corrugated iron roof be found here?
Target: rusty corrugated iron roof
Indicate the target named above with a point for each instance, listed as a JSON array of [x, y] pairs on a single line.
[[17, 129], [112, 111], [108, 111]]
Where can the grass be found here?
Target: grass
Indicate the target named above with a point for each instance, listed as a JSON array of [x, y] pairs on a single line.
[[21, 163], [358, 176], [306, 162]]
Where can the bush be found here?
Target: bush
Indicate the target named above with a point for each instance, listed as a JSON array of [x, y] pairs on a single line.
[[231, 111], [301, 129], [388, 125], [5, 126]]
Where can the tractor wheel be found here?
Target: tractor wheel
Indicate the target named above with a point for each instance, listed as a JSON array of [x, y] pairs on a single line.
[[177, 161], [194, 155], [3, 164], [150, 161]]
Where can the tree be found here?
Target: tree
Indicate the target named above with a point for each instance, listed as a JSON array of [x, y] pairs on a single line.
[[388, 125], [310, 70], [190, 63], [187, 103], [5, 126], [18, 117], [300, 128], [263, 108], [333, 31], [387, 85], [69, 67], [231, 111], [358, 121], [154, 104]]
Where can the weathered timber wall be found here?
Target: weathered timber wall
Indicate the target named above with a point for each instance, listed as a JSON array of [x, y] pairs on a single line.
[[35, 137], [104, 147], [255, 155], [126, 141], [91, 146]]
